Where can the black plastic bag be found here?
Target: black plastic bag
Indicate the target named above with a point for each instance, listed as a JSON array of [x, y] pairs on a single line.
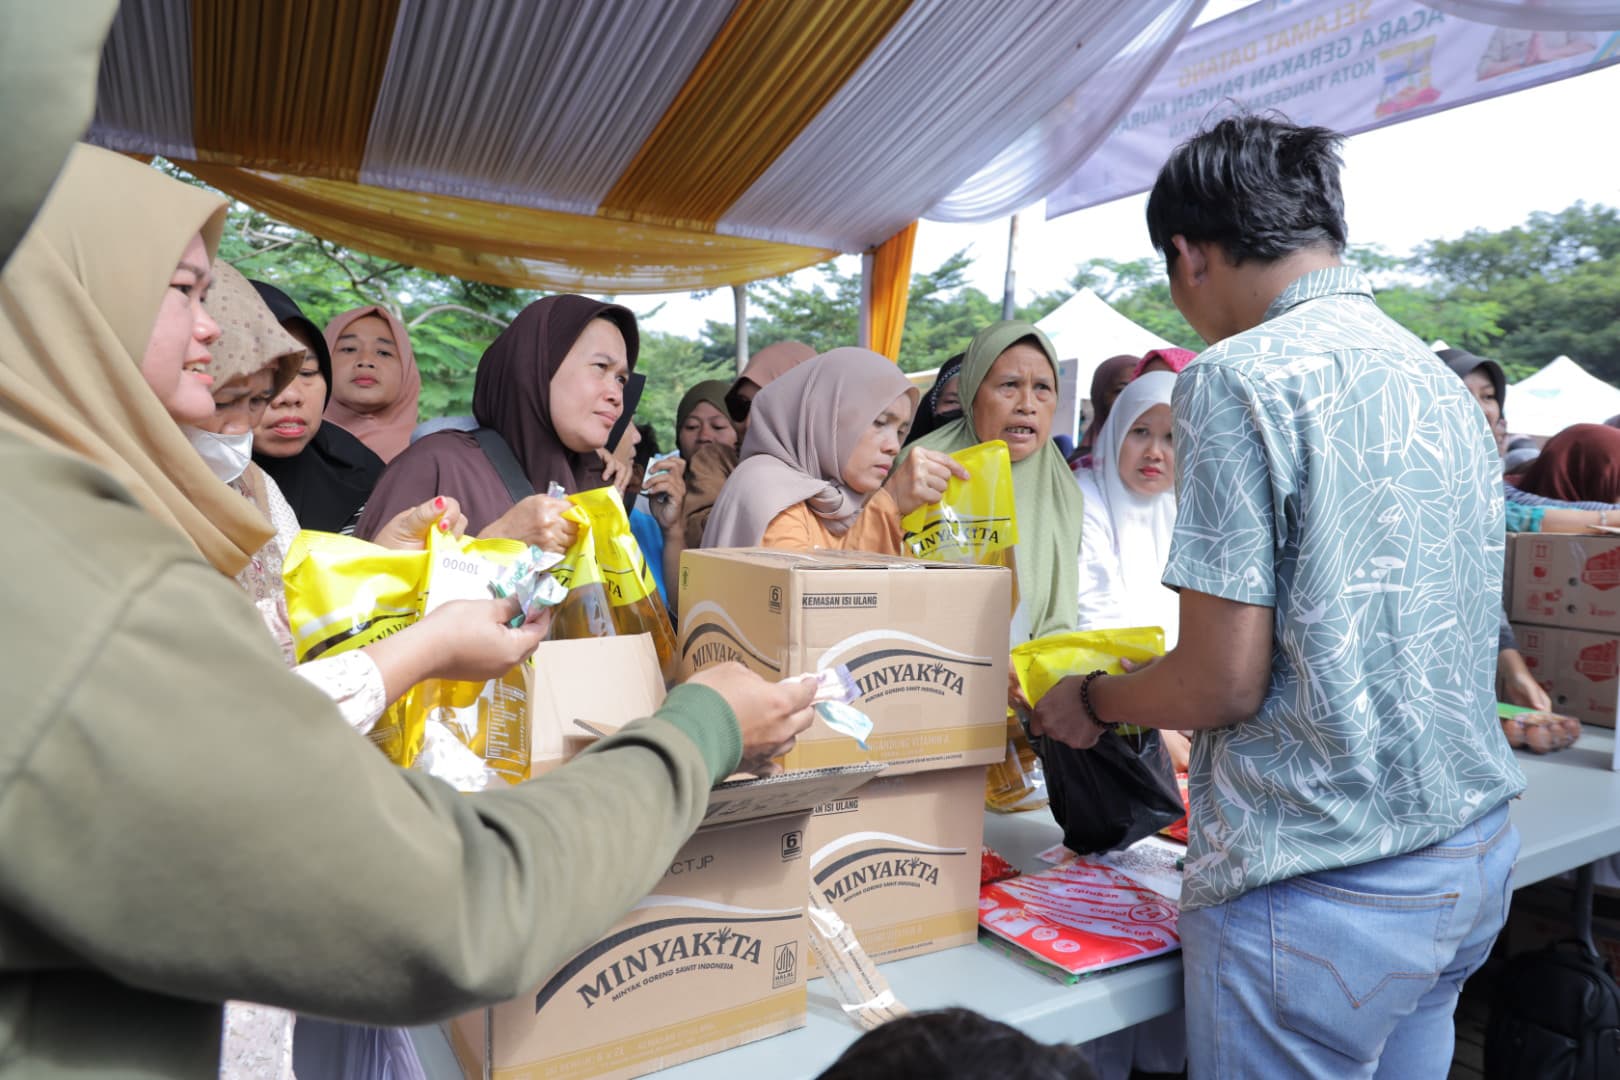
[[1111, 796]]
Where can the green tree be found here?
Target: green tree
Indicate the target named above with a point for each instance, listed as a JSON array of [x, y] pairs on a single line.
[[1554, 282], [451, 321], [942, 313]]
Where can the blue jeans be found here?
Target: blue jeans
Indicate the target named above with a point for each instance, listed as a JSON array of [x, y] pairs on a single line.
[[1347, 973]]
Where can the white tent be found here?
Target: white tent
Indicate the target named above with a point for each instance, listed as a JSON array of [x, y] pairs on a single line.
[[1560, 394], [1090, 331], [1086, 331]]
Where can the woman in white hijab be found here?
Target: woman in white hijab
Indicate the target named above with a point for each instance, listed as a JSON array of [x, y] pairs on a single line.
[[1130, 514]]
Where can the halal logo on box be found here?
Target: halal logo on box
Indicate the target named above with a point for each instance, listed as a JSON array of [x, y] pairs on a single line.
[[792, 845], [1599, 663], [1603, 571], [785, 965]]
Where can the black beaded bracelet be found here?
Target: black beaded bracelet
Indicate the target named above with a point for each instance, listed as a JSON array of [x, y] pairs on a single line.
[[1085, 700]]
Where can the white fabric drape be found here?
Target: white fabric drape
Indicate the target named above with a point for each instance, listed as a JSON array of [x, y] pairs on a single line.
[[1132, 52], [144, 90], [969, 77], [1535, 14], [530, 104]]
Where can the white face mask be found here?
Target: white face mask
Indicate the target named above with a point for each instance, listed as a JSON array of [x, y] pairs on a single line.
[[228, 456]]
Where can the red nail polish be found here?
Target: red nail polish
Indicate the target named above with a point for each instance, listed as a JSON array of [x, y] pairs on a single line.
[[438, 503], [444, 526]]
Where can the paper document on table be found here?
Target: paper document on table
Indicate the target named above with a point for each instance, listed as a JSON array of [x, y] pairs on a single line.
[[1082, 916], [1153, 862]]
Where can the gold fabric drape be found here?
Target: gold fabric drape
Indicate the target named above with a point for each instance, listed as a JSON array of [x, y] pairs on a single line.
[[765, 77], [290, 84], [891, 290], [509, 245]]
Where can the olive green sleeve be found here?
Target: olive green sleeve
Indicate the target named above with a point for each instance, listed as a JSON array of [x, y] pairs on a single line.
[[193, 819]]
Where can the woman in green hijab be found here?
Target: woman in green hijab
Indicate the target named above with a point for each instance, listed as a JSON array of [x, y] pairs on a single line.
[[1010, 392], [701, 419]]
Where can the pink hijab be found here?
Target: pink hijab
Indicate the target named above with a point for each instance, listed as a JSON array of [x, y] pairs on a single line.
[[387, 432], [1174, 359]]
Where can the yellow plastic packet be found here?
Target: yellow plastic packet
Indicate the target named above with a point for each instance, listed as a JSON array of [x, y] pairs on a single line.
[[975, 521], [491, 719], [1018, 783], [1044, 662], [611, 587], [1015, 783], [344, 594]]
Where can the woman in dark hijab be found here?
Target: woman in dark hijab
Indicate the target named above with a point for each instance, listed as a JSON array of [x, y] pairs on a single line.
[[942, 403], [549, 393], [1487, 381], [325, 473], [1107, 382]]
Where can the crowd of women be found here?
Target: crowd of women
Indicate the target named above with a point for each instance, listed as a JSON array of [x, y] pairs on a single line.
[[319, 430]]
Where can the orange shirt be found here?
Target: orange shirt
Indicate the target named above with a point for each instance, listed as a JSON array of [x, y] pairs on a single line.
[[876, 529]]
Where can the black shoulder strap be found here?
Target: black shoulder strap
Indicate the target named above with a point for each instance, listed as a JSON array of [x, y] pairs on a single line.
[[506, 463]]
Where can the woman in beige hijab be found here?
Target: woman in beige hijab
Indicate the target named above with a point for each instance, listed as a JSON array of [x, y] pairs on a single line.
[[84, 368], [817, 463]]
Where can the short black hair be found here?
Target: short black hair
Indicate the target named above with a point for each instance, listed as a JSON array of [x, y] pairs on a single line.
[[954, 1044], [1258, 186]]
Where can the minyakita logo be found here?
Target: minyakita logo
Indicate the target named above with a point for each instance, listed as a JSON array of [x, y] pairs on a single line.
[[889, 662], [640, 956], [865, 862], [714, 638], [964, 534]]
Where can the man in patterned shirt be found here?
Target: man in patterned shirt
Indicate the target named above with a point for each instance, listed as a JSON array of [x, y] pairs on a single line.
[[1338, 550]]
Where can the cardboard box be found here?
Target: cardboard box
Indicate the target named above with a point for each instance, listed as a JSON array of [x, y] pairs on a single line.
[[607, 682], [1579, 670], [713, 958], [1569, 581], [1509, 552], [899, 860], [926, 643]]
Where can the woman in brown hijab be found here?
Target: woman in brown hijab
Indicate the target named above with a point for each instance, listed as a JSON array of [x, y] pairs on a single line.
[[1579, 464], [709, 466], [1107, 383], [549, 390], [701, 419]]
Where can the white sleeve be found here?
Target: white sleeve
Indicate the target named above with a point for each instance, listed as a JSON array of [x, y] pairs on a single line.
[[354, 683], [1102, 601]]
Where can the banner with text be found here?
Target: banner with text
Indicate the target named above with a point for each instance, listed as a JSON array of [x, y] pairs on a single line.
[[1347, 66]]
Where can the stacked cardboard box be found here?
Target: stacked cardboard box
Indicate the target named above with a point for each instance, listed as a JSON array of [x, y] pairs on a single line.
[[1564, 602], [899, 860], [927, 646], [715, 957]]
